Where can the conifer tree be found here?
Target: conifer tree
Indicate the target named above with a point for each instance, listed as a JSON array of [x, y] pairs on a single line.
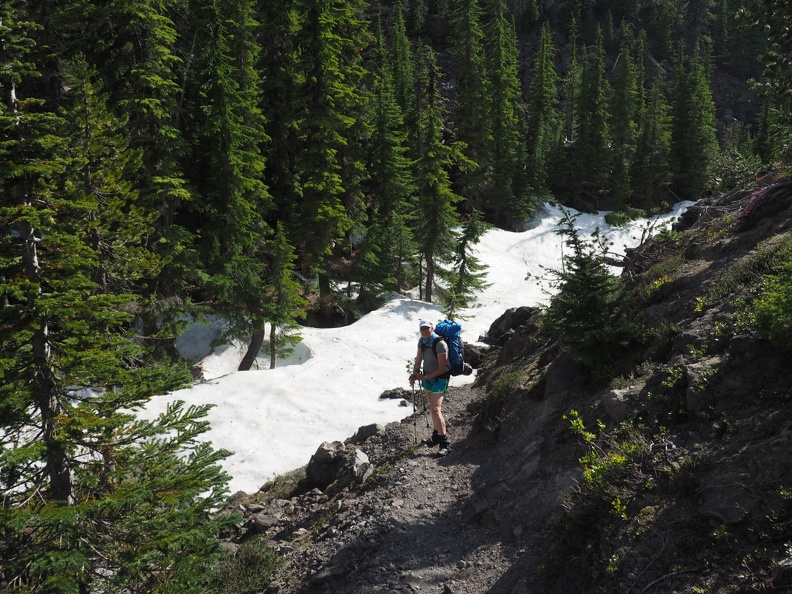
[[506, 202], [590, 310], [279, 80], [329, 99], [417, 12], [466, 274], [693, 142], [435, 217], [592, 132], [542, 119], [570, 87], [387, 249], [651, 168], [473, 93], [134, 45], [236, 200], [402, 61], [284, 302], [526, 14], [94, 499], [624, 112]]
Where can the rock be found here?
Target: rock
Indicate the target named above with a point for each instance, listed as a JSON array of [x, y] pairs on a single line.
[[395, 394], [366, 431], [263, 521], [337, 465], [483, 501], [728, 503], [782, 573], [562, 374], [510, 319], [620, 403], [325, 465]]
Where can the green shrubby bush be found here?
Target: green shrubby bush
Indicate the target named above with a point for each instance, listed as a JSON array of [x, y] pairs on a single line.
[[774, 305]]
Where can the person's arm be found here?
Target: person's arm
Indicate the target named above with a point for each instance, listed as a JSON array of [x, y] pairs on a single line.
[[416, 366]]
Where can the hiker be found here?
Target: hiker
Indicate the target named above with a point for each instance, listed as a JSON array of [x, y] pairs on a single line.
[[433, 353]]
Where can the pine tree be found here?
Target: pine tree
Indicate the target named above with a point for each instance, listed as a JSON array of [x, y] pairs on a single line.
[[94, 499], [542, 115], [435, 217], [236, 200], [506, 202], [472, 96]]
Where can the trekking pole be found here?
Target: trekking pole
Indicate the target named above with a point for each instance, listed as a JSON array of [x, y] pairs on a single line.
[[415, 422]]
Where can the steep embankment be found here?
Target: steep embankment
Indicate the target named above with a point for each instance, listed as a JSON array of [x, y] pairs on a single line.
[[687, 457]]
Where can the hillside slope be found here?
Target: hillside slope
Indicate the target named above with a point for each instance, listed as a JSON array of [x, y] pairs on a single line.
[[688, 466]]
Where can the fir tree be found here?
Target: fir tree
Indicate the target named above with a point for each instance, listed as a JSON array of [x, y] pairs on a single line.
[[651, 169], [417, 12], [435, 217], [466, 274], [693, 142], [284, 303], [402, 61], [95, 500], [542, 119], [387, 248], [472, 96], [592, 133], [506, 199], [236, 200], [624, 113], [279, 81], [590, 310], [134, 45], [329, 100]]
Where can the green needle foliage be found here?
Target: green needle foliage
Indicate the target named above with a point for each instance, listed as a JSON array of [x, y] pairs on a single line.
[[94, 500], [590, 310]]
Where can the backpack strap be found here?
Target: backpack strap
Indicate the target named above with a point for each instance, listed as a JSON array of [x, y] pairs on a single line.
[[434, 345]]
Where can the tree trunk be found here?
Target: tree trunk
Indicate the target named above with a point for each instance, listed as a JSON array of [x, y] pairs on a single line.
[[430, 272], [273, 345], [253, 350], [56, 466], [325, 299]]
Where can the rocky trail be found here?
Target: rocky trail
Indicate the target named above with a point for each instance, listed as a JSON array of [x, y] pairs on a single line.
[[417, 524]]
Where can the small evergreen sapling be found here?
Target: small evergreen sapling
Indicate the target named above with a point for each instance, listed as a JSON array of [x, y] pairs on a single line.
[[590, 310]]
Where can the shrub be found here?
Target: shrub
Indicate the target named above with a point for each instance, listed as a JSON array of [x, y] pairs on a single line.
[[249, 571], [774, 306], [765, 202]]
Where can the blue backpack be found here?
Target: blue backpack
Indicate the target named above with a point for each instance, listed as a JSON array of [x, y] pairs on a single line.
[[451, 332]]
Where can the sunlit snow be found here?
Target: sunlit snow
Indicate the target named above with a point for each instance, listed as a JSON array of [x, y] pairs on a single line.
[[273, 420]]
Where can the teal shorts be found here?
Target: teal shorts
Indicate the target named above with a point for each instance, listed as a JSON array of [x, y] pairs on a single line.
[[435, 386]]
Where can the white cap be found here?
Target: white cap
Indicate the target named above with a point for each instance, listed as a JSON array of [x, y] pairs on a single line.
[[423, 323]]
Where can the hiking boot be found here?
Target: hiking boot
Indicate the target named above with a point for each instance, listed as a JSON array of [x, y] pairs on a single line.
[[445, 445], [432, 441]]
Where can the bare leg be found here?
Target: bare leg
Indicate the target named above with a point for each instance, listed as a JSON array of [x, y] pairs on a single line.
[[435, 407]]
